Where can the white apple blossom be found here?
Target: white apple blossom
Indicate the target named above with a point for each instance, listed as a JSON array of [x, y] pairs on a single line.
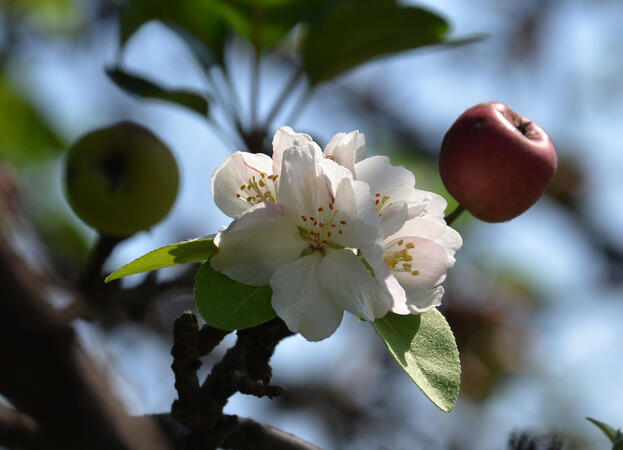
[[418, 245], [302, 217], [302, 237], [246, 179]]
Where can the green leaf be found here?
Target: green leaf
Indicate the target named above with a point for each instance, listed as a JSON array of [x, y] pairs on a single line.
[[171, 255], [609, 431], [424, 346], [25, 137], [355, 31], [134, 84], [265, 23], [48, 16], [228, 305]]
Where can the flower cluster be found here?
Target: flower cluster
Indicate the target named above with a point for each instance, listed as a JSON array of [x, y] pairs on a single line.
[[331, 231]]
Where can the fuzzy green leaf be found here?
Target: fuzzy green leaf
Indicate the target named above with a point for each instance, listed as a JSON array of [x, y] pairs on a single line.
[[140, 87], [181, 253], [228, 305], [424, 346]]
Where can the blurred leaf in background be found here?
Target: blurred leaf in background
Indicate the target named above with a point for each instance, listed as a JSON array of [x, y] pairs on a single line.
[[25, 137], [333, 47], [49, 16]]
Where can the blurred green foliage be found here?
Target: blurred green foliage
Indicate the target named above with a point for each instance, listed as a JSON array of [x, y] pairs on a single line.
[[25, 137], [135, 85], [330, 44], [334, 45], [50, 16]]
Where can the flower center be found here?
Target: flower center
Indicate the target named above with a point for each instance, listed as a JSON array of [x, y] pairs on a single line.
[[319, 229], [398, 259], [381, 202], [262, 188]]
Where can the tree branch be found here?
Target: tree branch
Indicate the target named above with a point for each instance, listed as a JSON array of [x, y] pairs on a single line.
[[251, 435], [92, 273], [47, 376], [244, 434], [244, 368], [17, 429]]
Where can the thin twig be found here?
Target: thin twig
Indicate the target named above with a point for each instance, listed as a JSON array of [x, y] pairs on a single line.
[[283, 96], [255, 87], [454, 214], [221, 132], [299, 106], [91, 276], [232, 91], [17, 430], [227, 105]]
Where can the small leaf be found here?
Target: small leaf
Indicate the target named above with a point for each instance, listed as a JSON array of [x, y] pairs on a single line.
[[376, 28], [143, 88], [609, 431], [228, 305], [465, 40], [171, 255], [424, 346]]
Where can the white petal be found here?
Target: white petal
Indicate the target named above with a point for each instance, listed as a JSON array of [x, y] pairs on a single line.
[[424, 300], [394, 217], [303, 187], [427, 204], [427, 267], [374, 257], [400, 303], [384, 178], [334, 173], [236, 171], [357, 216], [285, 138], [256, 244], [351, 286], [347, 149], [435, 230], [300, 300]]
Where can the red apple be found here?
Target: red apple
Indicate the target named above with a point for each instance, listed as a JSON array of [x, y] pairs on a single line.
[[495, 162]]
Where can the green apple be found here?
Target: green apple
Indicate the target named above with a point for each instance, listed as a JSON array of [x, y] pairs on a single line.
[[121, 179]]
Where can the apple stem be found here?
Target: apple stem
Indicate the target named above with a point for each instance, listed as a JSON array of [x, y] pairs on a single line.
[[523, 127], [92, 273], [454, 214]]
